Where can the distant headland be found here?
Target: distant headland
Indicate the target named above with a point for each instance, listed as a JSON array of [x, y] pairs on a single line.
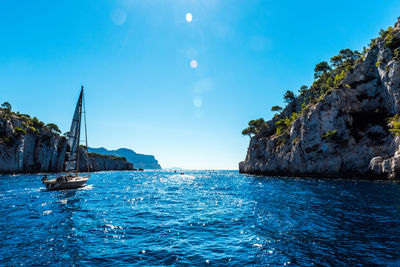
[[346, 124], [138, 160]]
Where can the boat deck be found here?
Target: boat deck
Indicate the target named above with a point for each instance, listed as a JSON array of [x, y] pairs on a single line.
[[66, 182]]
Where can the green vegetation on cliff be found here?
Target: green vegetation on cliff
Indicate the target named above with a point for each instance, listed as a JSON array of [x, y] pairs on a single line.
[[23, 124], [112, 157], [255, 127], [394, 124], [328, 77]]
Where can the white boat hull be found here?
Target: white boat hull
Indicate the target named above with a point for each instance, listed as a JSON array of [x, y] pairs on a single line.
[[63, 183]]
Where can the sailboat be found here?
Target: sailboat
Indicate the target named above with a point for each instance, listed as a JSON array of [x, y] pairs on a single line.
[[72, 180]]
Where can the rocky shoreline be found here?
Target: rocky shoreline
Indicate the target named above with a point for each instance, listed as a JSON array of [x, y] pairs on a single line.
[[346, 125], [28, 145]]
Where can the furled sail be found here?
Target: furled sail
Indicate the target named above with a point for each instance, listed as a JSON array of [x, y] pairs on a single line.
[[72, 156]]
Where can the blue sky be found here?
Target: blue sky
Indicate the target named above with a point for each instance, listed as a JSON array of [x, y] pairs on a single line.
[[133, 57]]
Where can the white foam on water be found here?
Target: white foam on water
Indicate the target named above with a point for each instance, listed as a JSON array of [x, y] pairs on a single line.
[[87, 187], [182, 177], [63, 201], [47, 212]]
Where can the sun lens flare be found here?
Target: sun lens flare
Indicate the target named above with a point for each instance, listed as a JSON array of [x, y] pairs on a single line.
[[189, 17], [194, 64]]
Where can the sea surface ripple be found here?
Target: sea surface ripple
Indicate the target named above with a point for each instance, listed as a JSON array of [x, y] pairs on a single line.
[[200, 218]]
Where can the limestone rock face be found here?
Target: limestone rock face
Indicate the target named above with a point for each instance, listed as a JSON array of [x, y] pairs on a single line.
[[397, 24], [362, 146], [103, 163], [41, 151]]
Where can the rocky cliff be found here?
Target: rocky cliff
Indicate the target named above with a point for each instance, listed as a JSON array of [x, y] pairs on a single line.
[[98, 162], [344, 125], [27, 145], [138, 160]]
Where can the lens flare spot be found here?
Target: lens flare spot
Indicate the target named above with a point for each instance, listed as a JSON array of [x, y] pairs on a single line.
[[189, 17], [118, 16], [194, 64], [197, 102]]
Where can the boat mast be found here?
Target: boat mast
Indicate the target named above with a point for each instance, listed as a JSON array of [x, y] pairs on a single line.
[[87, 147], [79, 132]]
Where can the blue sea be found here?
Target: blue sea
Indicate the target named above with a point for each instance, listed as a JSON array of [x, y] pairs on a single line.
[[216, 218]]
